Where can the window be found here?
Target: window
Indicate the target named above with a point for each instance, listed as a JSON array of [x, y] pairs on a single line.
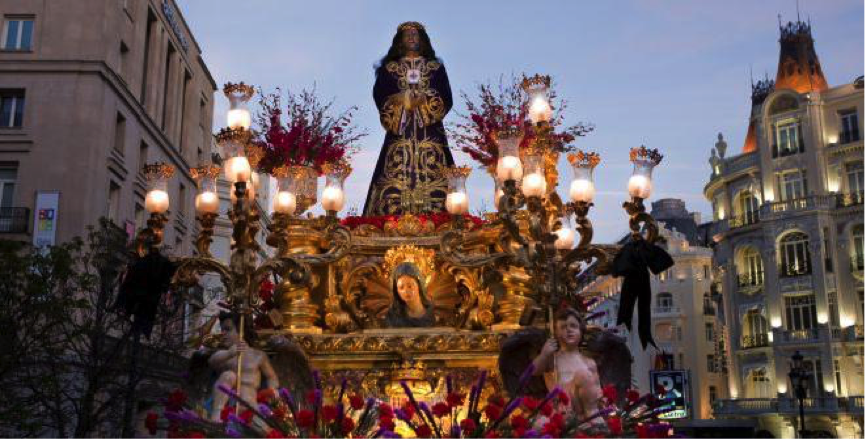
[[814, 367], [119, 133], [148, 35], [801, 312], [11, 108], [710, 332], [665, 300], [749, 208], [795, 255], [836, 364], [752, 273], [855, 176], [167, 93], [114, 202], [858, 250], [718, 208], [142, 155], [711, 364], [788, 139], [793, 184], [662, 276], [756, 329], [758, 384], [706, 273], [849, 126], [17, 33], [713, 394], [8, 176], [834, 320]]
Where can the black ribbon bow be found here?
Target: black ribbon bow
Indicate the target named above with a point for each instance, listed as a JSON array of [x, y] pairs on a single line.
[[634, 261]]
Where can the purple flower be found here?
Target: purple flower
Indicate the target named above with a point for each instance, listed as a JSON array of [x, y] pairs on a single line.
[[527, 374], [232, 432], [316, 376], [265, 410], [401, 415], [455, 431], [532, 434], [234, 418]]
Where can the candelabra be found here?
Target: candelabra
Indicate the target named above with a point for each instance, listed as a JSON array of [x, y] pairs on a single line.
[[534, 249]]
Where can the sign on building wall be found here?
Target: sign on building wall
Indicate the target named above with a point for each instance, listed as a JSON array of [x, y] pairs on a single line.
[[673, 388], [45, 227]]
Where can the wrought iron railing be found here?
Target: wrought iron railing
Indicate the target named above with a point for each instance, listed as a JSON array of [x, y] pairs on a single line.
[[755, 341], [791, 270], [14, 219], [801, 335], [750, 280], [851, 199], [744, 220]]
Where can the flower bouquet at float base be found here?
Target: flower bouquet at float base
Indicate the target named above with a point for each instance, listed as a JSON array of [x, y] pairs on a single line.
[[503, 109], [299, 129], [475, 414]]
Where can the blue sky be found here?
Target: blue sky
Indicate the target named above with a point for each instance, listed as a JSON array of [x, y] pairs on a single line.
[[667, 74]]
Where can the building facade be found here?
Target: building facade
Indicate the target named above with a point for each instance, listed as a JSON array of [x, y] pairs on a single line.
[[788, 233], [89, 91], [685, 322]]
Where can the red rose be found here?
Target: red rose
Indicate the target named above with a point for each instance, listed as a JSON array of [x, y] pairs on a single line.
[[564, 399], [558, 419], [468, 425], [246, 416], [610, 393], [455, 399], [151, 422], [195, 435], [547, 409], [493, 412], [347, 425], [226, 410], [408, 409], [615, 425], [386, 424], [356, 402], [424, 431], [633, 396], [385, 411], [275, 434], [519, 421], [305, 418], [551, 429], [265, 395], [519, 432], [328, 412], [441, 409], [492, 435], [530, 403], [175, 401], [496, 400]]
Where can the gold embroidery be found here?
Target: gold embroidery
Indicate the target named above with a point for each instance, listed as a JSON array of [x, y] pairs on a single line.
[[391, 113]]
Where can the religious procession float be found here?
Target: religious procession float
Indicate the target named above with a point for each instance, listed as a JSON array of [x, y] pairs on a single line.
[[414, 318]]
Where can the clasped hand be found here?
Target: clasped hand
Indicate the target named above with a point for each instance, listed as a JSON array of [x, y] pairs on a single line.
[[413, 99]]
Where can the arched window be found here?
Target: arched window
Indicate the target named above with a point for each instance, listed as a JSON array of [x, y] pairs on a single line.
[[664, 301], [756, 330], [758, 384], [858, 256], [748, 208], [751, 268], [795, 255]]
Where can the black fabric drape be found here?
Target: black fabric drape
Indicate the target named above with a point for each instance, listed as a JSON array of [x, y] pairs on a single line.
[[633, 262], [146, 280]]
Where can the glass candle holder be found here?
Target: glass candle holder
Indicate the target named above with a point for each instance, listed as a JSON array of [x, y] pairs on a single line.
[[333, 196], [534, 182], [207, 200], [238, 96], [457, 201], [583, 186], [157, 176], [285, 201], [236, 165], [565, 236], [644, 160], [536, 87], [509, 166]]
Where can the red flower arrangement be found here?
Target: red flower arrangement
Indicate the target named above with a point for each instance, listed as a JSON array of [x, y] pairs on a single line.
[[309, 135], [502, 108], [379, 222]]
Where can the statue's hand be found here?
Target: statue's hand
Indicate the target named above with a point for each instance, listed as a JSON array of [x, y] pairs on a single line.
[[550, 347]]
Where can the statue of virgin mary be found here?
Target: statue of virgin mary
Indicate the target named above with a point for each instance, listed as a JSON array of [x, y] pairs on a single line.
[[413, 95]]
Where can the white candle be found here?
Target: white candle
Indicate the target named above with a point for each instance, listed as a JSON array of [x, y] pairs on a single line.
[[237, 169], [539, 110], [207, 202], [285, 202], [457, 203], [565, 238], [156, 201], [534, 185], [639, 186], [332, 198], [582, 190], [239, 118], [509, 168]]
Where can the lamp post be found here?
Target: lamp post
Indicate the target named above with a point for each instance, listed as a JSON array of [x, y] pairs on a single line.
[[799, 380]]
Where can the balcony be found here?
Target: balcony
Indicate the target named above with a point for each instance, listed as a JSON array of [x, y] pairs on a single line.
[[743, 220], [847, 200], [787, 406], [666, 310], [749, 280], [768, 210], [755, 341], [797, 336], [794, 270], [14, 219]]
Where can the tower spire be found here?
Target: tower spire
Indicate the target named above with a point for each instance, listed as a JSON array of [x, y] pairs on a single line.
[[798, 66]]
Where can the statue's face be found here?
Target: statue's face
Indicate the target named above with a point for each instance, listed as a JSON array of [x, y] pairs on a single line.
[[408, 290], [568, 331], [229, 331], [411, 40]]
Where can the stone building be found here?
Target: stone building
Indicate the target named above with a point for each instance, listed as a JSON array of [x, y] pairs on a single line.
[[787, 228], [89, 91], [685, 322]]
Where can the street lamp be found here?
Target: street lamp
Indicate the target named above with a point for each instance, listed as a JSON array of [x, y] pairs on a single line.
[[799, 380]]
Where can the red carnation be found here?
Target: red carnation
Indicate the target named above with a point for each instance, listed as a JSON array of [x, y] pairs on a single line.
[[311, 397], [551, 429], [305, 418], [468, 425], [633, 396], [386, 424], [195, 435], [564, 399], [347, 425], [558, 419], [265, 395], [279, 412], [615, 425], [274, 434], [530, 403], [226, 410], [408, 409], [455, 399], [642, 430], [610, 393], [151, 422], [424, 431], [493, 412], [246, 416], [385, 411], [547, 409], [356, 402], [328, 412], [441, 409], [519, 422], [175, 401]]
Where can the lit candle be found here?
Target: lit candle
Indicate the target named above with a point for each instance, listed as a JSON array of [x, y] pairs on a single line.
[[540, 110], [285, 202], [457, 203], [534, 185], [156, 201], [582, 190], [565, 238], [509, 168], [332, 199], [239, 118], [207, 202], [237, 169], [639, 186]]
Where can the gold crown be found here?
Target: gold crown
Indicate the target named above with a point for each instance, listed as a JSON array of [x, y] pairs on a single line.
[[205, 171], [423, 259], [157, 171], [239, 90], [646, 156], [456, 171], [536, 82], [340, 168], [583, 159], [410, 25]]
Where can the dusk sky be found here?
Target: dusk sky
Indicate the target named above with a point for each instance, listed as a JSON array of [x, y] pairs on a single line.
[[667, 74]]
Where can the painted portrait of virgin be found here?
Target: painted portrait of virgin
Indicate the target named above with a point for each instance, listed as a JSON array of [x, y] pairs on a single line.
[[411, 307]]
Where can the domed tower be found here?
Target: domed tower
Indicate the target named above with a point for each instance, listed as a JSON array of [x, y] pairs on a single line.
[[798, 66], [759, 92]]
